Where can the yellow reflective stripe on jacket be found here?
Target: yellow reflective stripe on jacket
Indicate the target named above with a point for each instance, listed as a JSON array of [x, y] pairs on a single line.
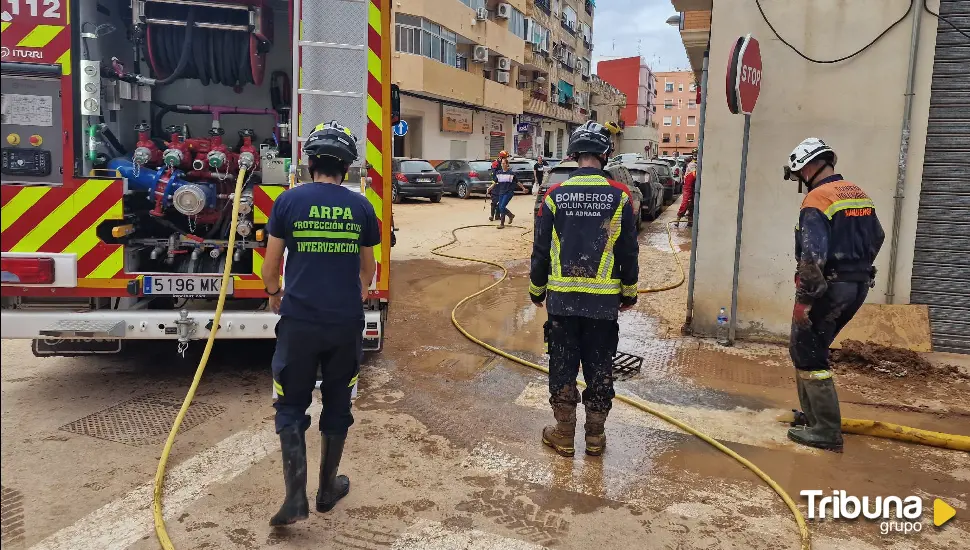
[[608, 260], [587, 285], [353, 380], [629, 291], [847, 204], [278, 387], [536, 290], [585, 180], [815, 374], [554, 253], [551, 204]]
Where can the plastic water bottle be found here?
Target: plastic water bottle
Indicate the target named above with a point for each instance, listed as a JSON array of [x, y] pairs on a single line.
[[722, 328]]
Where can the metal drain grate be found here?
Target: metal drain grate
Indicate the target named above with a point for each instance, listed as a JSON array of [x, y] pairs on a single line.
[[143, 420], [626, 366], [11, 517]]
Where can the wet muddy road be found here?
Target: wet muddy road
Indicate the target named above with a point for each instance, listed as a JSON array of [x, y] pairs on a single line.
[[445, 451]]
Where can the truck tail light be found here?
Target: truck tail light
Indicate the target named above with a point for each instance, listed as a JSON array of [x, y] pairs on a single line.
[[473, 174], [401, 177], [28, 271]]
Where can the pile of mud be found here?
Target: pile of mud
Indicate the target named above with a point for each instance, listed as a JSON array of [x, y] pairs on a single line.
[[870, 358]]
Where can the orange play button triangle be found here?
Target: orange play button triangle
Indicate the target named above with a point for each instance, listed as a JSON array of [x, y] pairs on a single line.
[[942, 512]]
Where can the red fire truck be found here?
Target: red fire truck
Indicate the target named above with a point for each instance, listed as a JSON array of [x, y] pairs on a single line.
[[125, 124]]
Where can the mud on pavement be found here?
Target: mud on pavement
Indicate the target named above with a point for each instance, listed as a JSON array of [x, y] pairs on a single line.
[[445, 451]]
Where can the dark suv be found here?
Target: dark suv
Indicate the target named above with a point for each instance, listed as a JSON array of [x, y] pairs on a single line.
[[666, 175], [415, 178]]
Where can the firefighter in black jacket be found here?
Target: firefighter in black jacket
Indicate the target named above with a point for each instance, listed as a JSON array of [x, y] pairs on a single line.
[[584, 265], [836, 242]]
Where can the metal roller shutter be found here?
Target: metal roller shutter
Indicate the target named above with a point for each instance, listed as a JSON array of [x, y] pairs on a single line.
[[941, 266]]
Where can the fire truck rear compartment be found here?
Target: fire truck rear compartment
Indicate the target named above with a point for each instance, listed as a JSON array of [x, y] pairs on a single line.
[[190, 93]]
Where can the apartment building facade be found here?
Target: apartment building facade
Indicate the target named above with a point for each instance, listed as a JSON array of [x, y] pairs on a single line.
[[481, 76], [677, 112], [457, 63], [555, 75], [636, 80]]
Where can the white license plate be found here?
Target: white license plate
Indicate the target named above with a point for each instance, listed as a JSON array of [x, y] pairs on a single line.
[[183, 285], [424, 180]]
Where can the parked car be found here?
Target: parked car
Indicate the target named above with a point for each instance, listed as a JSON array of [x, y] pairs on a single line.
[[626, 158], [678, 166], [461, 178], [415, 178], [617, 173], [553, 162], [522, 167], [648, 180], [666, 175]]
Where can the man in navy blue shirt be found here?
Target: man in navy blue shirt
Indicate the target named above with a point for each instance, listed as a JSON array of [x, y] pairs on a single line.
[[328, 232]]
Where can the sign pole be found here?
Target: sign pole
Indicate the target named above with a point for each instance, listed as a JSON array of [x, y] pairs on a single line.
[[737, 237]]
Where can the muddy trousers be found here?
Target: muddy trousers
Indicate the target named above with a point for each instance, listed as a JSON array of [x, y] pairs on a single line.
[[809, 349], [809, 343], [303, 347], [575, 341]]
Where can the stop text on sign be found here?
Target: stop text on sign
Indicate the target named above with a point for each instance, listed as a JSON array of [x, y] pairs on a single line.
[[751, 75]]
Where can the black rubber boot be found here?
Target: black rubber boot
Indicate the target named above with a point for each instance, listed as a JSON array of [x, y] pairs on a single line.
[[804, 401], [333, 487], [501, 220], [510, 215], [826, 433], [595, 432], [293, 444]]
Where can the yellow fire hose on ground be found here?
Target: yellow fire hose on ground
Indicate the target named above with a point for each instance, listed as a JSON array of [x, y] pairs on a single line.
[[160, 532], [802, 526], [898, 432]]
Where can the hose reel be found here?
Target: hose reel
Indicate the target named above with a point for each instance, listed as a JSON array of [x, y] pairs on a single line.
[[214, 42]]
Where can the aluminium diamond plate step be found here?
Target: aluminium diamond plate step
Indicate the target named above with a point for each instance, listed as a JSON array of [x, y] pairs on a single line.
[[82, 328]]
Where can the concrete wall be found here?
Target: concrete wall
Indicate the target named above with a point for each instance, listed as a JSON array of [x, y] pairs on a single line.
[[855, 106], [636, 139]]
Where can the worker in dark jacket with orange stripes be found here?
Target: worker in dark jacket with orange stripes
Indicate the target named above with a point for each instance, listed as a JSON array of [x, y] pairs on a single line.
[[584, 266], [836, 242]]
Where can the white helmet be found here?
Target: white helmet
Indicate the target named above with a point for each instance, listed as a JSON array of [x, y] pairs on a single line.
[[806, 151]]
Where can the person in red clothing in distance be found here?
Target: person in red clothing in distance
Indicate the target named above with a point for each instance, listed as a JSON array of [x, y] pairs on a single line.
[[687, 194]]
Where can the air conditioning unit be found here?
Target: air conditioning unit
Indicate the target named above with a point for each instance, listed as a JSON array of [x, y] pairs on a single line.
[[504, 64], [481, 14], [502, 77], [480, 54], [504, 10]]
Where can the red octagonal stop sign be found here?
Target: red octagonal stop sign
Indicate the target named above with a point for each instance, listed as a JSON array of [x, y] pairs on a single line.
[[744, 75]]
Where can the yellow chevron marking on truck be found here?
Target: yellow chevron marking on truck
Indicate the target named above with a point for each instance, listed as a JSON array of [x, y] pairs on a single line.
[[88, 238], [40, 36], [56, 220], [20, 204], [110, 266]]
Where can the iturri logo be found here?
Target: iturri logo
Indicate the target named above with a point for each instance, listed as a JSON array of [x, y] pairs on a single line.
[[895, 514]]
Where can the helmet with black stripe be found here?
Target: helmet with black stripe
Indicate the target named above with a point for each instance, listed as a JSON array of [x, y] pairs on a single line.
[[591, 138], [332, 139]]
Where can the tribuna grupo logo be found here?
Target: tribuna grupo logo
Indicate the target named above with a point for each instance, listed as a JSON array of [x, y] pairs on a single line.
[[895, 514]]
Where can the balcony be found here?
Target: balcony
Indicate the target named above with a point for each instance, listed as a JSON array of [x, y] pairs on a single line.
[[543, 6], [570, 28], [500, 97], [503, 42], [537, 103], [589, 7], [421, 74]]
